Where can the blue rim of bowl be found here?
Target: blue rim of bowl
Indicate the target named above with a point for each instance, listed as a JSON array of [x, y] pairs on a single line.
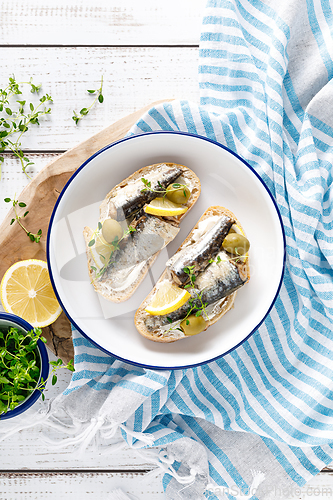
[[173, 132], [44, 367]]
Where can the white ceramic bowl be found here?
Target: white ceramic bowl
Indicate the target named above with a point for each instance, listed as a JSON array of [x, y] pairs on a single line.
[[226, 180]]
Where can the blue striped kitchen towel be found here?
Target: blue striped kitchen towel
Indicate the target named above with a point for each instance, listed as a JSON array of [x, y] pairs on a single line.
[[257, 423]]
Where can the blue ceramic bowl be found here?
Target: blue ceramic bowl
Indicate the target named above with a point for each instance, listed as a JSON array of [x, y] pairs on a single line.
[[8, 320]]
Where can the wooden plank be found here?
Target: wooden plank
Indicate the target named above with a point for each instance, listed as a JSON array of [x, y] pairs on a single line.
[[133, 77], [83, 486], [13, 180], [27, 449], [87, 486], [40, 196], [68, 22]]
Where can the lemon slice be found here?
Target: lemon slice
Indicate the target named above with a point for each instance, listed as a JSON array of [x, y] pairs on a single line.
[[101, 251], [167, 299], [236, 229], [163, 206], [26, 291]]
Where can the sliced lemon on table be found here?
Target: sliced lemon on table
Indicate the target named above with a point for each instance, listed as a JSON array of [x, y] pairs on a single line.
[[26, 291], [163, 206], [101, 251], [167, 299]]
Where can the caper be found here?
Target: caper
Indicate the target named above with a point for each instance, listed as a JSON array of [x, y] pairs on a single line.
[[112, 230], [236, 244], [178, 193], [193, 325]]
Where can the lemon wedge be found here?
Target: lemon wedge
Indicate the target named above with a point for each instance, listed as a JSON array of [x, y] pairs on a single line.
[[236, 229], [163, 206], [167, 299], [26, 291], [101, 251]]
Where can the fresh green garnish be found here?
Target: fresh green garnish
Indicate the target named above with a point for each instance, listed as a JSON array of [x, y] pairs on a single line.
[[14, 121], [114, 244], [194, 308], [21, 204], [161, 191], [84, 111], [231, 259], [20, 367], [218, 260]]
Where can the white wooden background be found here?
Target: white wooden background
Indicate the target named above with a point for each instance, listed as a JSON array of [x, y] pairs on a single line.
[[146, 50]]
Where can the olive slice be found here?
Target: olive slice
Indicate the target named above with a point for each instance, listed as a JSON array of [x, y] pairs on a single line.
[[112, 230], [178, 193], [192, 325], [236, 244]]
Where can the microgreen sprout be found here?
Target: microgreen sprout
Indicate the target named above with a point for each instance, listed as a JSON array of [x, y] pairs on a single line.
[[20, 367], [196, 304], [15, 121], [162, 191], [34, 237], [84, 111]]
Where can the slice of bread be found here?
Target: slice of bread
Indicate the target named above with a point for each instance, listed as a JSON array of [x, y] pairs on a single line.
[[147, 325], [166, 226]]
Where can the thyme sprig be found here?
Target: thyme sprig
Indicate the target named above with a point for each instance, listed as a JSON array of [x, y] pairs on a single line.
[[162, 190], [114, 245], [84, 111], [20, 367], [237, 258], [14, 122], [194, 308], [34, 237]]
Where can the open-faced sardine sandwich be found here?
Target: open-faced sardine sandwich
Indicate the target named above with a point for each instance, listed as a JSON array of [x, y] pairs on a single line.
[[200, 282], [138, 218]]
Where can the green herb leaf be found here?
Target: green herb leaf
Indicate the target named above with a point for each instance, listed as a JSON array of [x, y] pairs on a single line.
[[85, 111], [91, 243]]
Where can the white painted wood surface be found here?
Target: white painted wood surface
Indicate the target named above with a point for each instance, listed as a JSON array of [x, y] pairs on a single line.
[[133, 77], [113, 22], [146, 51], [86, 486]]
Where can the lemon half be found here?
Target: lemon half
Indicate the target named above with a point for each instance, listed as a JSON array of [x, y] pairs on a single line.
[[167, 299], [163, 206], [26, 291]]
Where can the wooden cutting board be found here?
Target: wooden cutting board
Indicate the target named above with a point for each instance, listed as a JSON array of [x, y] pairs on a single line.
[[40, 196]]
